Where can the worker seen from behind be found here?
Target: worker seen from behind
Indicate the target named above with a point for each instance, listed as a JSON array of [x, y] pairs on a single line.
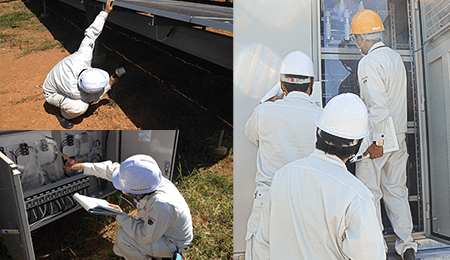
[[316, 208], [73, 84], [164, 225], [382, 79], [283, 131]]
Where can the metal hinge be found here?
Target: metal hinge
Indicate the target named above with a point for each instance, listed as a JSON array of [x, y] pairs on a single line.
[[427, 211], [167, 167], [422, 103]]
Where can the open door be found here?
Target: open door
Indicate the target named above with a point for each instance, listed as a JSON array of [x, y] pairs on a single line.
[[436, 34], [15, 231], [159, 144]]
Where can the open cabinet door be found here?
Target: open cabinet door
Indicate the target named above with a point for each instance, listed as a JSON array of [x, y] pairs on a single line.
[[15, 231], [159, 144], [437, 75]]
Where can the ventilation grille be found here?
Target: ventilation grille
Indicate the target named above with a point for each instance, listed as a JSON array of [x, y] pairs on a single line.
[[437, 16]]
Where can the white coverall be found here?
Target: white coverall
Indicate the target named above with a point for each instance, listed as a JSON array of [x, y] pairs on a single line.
[[382, 79], [61, 85], [164, 222], [316, 209], [283, 131]]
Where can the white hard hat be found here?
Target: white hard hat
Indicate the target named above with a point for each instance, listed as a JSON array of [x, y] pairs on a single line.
[[138, 174], [297, 63], [345, 116], [93, 80]]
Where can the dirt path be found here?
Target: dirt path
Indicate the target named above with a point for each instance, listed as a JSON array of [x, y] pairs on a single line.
[[163, 89]]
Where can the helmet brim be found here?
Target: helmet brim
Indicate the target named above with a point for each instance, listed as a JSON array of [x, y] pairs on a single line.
[[116, 180]]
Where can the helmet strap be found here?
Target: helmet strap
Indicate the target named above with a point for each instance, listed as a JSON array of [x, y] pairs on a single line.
[[360, 46]]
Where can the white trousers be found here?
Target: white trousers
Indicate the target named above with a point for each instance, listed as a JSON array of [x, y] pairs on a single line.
[[252, 246], [70, 108], [386, 179], [127, 247]]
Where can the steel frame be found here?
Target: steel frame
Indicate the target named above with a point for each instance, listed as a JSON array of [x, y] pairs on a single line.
[[179, 32]]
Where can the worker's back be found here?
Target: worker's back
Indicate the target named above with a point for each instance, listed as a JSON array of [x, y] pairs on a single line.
[[318, 210], [284, 131]]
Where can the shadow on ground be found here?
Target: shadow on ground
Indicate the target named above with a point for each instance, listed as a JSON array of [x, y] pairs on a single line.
[[163, 88]]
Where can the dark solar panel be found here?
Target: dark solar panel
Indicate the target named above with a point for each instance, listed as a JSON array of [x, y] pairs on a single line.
[[201, 14]]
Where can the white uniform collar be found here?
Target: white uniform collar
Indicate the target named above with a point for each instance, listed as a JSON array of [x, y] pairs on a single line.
[[298, 94], [330, 158], [375, 46]]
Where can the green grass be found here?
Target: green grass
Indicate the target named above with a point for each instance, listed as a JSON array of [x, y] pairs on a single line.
[[37, 47], [18, 16], [33, 97], [16, 19], [209, 195]]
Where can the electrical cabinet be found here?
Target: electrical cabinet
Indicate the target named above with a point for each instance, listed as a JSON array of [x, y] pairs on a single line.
[[36, 188]]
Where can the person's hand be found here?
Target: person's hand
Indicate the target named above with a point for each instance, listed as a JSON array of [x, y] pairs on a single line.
[[112, 80], [109, 6], [274, 98], [374, 151], [72, 165], [116, 207]]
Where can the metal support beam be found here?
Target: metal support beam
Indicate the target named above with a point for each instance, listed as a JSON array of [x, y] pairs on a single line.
[[213, 47]]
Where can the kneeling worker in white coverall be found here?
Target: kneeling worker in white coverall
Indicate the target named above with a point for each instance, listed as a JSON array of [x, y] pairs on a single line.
[[316, 209], [73, 84], [164, 225], [382, 77]]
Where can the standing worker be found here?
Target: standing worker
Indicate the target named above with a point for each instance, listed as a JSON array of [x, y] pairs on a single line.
[[283, 131], [382, 79], [316, 208], [164, 225], [73, 84]]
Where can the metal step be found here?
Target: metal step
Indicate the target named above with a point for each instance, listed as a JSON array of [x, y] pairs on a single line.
[[430, 249]]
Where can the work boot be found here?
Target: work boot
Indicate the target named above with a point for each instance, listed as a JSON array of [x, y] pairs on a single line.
[[66, 123], [409, 254]]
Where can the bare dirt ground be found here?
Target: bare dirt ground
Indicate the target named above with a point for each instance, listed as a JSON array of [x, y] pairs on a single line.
[[163, 88]]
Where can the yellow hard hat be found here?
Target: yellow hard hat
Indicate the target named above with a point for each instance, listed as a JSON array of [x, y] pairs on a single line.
[[366, 21]]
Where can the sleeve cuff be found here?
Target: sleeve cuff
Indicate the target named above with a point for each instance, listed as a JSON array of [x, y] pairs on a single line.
[[103, 14], [88, 167], [121, 218]]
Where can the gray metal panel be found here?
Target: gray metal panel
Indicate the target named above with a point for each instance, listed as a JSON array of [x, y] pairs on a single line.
[[13, 215], [213, 47], [202, 14], [437, 75], [159, 144], [439, 136], [265, 31], [436, 17]]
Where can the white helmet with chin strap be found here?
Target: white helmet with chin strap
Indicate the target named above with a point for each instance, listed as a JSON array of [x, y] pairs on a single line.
[[345, 116], [139, 174], [93, 80], [296, 63]]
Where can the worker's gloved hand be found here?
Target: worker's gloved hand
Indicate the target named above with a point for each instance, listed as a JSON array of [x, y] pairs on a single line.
[[109, 6], [374, 151]]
